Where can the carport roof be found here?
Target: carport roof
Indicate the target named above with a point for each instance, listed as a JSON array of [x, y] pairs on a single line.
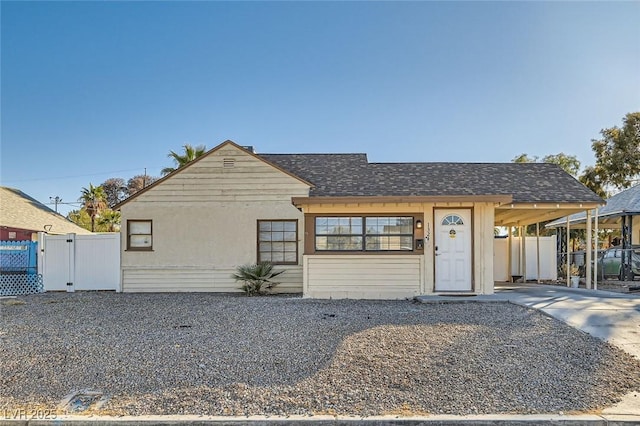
[[624, 203]]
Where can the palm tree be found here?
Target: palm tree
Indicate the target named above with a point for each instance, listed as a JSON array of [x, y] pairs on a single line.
[[93, 201], [190, 154], [110, 219]]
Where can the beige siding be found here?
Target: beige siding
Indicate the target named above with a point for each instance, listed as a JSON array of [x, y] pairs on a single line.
[[208, 181], [205, 224], [363, 276], [183, 279]]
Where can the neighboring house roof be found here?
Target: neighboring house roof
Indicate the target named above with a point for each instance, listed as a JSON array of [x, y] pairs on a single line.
[[350, 175], [18, 210], [624, 203]]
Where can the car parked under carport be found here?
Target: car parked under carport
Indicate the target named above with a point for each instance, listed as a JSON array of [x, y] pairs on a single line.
[[610, 264]]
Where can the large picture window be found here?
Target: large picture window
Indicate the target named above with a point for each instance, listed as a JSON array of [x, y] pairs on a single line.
[[278, 241], [139, 235], [364, 233]]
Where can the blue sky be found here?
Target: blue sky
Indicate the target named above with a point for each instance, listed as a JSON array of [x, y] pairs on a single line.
[[92, 90]]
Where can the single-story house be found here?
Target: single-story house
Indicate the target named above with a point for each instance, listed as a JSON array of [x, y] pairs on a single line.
[[22, 217], [340, 226]]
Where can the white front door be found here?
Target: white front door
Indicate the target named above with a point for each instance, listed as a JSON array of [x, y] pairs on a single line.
[[452, 247]]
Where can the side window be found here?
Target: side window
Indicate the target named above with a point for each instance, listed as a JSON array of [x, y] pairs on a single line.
[[278, 241], [617, 253], [139, 235]]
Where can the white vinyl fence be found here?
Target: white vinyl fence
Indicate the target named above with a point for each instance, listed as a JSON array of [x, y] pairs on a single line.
[[80, 262], [548, 261]]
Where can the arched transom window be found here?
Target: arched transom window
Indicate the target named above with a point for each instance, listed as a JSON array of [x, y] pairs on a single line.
[[452, 219]]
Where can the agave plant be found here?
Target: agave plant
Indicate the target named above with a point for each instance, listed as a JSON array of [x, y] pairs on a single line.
[[257, 279]]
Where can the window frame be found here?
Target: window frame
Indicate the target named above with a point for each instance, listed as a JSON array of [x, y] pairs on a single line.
[[313, 248], [129, 234], [297, 241]]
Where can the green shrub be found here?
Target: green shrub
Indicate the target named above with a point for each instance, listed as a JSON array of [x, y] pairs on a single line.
[[257, 279]]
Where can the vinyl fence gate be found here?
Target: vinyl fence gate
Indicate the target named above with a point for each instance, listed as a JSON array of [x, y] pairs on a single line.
[[81, 262]]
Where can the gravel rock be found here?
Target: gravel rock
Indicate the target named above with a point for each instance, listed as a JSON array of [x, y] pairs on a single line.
[[228, 354]]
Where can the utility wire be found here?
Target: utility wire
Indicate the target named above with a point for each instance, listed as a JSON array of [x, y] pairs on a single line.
[[76, 176]]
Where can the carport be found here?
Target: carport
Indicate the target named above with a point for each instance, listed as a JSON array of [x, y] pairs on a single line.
[[622, 212], [520, 215]]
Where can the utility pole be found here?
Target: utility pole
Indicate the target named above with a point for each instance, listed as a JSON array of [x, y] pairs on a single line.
[[57, 200]]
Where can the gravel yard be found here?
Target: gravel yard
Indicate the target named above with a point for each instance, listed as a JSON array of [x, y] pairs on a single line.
[[227, 354]]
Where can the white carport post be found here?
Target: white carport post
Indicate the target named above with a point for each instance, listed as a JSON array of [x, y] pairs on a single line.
[[568, 258], [538, 251], [595, 252], [588, 252], [523, 260], [509, 257]]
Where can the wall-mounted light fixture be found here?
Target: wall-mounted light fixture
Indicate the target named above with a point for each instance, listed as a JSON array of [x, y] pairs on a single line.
[[418, 224]]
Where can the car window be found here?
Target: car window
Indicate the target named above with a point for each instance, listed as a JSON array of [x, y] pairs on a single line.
[[617, 253], [608, 254]]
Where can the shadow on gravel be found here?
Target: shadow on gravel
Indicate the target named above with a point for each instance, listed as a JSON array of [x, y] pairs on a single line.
[[228, 354]]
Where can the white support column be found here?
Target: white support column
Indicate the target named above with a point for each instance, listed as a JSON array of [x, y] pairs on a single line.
[[523, 241], [509, 257], [595, 252], [588, 252], [538, 251], [568, 257]]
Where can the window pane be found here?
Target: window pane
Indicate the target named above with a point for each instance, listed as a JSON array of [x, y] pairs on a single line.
[[339, 243], [140, 241], [140, 227], [321, 243], [277, 257], [373, 243], [265, 257], [265, 236], [265, 246], [389, 243], [290, 256], [290, 226], [406, 243], [389, 225], [277, 226], [290, 246], [265, 225], [277, 247], [289, 236], [277, 236]]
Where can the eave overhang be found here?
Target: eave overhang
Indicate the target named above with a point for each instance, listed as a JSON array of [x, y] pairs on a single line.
[[301, 202], [523, 214]]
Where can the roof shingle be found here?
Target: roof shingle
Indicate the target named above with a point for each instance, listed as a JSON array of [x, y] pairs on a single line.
[[348, 175]]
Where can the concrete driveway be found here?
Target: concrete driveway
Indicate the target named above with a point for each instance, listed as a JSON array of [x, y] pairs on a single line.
[[612, 317]]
